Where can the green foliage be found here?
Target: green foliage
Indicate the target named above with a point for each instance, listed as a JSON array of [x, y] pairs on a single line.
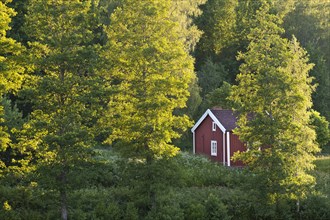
[[16, 32], [201, 196], [13, 158], [218, 23], [309, 22], [316, 206], [246, 16], [220, 97], [62, 91], [322, 175], [215, 208], [149, 72], [183, 12], [199, 171], [321, 126], [274, 95], [11, 68], [64, 56], [4, 136], [321, 97], [11, 77], [226, 25], [211, 76], [215, 52], [12, 117], [47, 162], [194, 99]]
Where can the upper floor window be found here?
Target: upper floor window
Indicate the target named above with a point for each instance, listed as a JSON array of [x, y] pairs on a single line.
[[214, 126]]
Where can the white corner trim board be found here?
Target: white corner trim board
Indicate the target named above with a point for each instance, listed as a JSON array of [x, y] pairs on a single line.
[[208, 113], [194, 144], [228, 148], [224, 148]]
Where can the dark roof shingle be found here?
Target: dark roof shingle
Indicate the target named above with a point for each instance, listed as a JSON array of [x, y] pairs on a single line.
[[226, 117]]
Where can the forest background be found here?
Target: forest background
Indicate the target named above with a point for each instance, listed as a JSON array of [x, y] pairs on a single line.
[[97, 98]]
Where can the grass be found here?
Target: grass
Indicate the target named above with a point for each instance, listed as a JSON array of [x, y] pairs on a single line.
[[323, 164], [322, 174]]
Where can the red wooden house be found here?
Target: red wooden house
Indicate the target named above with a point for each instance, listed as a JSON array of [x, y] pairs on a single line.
[[213, 136]]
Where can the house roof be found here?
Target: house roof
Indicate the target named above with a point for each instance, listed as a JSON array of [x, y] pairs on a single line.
[[225, 119]]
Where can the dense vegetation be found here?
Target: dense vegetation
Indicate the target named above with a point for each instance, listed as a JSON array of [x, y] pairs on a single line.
[[96, 97], [187, 187]]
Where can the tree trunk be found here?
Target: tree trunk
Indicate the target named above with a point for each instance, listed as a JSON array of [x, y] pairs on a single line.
[[64, 208], [64, 205], [152, 193]]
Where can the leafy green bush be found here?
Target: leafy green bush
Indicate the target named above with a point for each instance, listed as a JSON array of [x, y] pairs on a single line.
[[316, 206], [200, 171]]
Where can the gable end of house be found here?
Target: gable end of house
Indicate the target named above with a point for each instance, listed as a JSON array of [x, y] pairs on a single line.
[[213, 117]]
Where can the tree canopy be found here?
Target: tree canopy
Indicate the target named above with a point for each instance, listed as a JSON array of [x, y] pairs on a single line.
[[150, 71], [274, 99], [97, 97]]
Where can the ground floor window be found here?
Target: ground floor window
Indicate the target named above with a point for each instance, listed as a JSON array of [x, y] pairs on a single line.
[[213, 148]]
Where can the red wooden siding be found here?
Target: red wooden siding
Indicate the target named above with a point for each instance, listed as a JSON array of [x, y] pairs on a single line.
[[227, 144], [203, 137], [235, 145]]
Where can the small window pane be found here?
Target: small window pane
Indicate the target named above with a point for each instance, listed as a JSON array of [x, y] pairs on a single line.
[[214, 126]]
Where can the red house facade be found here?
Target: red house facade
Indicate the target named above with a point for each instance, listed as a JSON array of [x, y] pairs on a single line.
[[213, 136]]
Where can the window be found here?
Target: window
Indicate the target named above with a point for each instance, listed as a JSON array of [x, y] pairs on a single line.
[[214, 126], [213, 148]]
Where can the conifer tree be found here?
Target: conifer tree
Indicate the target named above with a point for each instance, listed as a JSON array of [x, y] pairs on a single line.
[[150, 72], [274, 95]]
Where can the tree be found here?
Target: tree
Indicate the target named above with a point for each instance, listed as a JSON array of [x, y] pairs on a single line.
[[219, 97], [226, 25], [211, 76], [62, 89], [15, 160], [11, 69], [11, 72], [150, 73], [274, 96], [218, 23], [322, 130], [309, 22], [183, 12], [16, 32]]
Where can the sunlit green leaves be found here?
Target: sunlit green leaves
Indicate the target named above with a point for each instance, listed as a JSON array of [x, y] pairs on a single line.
[[274, 96], [150, 71]]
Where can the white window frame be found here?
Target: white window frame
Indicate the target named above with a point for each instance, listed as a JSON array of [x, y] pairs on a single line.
[[214, 126], [214, 148]]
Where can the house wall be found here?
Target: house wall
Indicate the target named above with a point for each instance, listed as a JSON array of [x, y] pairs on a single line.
[[235, 145], [203, 137]]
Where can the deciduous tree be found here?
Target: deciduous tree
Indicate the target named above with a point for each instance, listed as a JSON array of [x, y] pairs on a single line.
[[11, 72], [321, 126], [309, 22], [274, 95], [150, 73], [64, 55]]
